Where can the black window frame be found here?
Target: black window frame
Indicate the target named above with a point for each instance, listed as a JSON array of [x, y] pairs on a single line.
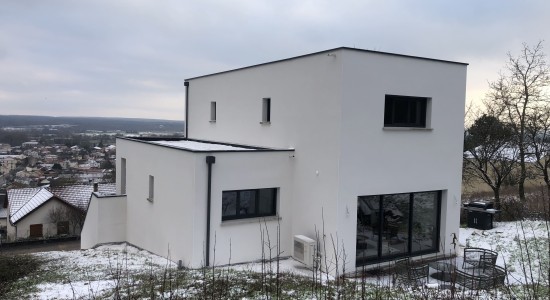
[[409, 253], [213, 111], [256, 214], [266, 110], [412, 111]]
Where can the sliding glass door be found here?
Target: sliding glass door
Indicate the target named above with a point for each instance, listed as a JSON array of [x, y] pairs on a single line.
[[397, 225]]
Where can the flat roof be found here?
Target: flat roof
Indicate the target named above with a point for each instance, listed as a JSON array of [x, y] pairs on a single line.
[[329, 50], [200, 146], [193, 145]]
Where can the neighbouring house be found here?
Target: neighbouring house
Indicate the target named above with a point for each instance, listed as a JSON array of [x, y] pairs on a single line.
[[44, 212], [340, 150]]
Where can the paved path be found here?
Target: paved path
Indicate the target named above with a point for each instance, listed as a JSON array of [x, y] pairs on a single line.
[[42, 247]]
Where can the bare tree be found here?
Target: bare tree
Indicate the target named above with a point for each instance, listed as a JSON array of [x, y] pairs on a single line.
[[538, 136], [57, 214], [76, 218], [73, 215], [517, 93], [490, 155]]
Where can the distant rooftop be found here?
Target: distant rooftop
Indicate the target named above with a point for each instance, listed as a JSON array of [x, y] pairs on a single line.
[[79, 195], [24, 201]]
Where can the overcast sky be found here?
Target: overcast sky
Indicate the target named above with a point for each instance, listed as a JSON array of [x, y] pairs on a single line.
[[129, 58]]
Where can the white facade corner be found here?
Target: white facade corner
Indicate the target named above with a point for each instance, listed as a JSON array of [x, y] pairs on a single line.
[[322, 141]]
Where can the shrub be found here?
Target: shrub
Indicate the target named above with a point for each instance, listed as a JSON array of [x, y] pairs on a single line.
[[13, 267]]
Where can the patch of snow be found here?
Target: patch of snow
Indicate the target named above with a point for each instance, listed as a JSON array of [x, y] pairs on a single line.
[[510, 240], [200, 146], [90, 272]]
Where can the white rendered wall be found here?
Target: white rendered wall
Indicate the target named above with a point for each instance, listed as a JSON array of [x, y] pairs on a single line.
[[88, 236], [305, 115], [10, 231], [174, 223], [240, 240], [166, 225], [376, 160], [105, 221], [330, 108]]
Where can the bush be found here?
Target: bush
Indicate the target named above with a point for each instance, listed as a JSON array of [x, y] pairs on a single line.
[[13, 267], [512, 208]]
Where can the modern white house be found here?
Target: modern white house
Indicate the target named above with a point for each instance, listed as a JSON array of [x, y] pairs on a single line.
[[361, 147]]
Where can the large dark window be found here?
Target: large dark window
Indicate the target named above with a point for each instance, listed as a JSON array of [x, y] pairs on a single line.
[[405, 111], [249, 203], [397, 225]]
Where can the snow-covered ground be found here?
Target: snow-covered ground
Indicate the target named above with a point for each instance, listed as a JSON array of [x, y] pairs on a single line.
[[517, 243], [93, 271], [90, 272]]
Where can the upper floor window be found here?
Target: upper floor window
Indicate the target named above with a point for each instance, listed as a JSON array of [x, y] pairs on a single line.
[[405, 111], [244, 204], [213, 111], [123, 175], [266, 110], [151, 188]]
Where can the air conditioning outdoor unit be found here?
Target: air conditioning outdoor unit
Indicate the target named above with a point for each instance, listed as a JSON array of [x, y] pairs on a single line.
[[304, 250]]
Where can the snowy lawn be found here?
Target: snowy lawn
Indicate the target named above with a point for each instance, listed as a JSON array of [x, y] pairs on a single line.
[[118, 271], [522, 248]]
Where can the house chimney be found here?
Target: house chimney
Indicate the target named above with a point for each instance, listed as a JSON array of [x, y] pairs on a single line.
[[96, 189]]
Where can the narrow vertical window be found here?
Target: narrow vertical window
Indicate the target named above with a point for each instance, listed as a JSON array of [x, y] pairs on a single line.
[[213, 111], [151, 188], [266, 110], [123, 175]]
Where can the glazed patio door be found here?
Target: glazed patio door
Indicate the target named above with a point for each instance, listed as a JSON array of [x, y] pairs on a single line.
[[397, 225]]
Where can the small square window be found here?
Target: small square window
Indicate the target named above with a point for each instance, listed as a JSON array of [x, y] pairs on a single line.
[[213, 111], [405, 111], [266, 110]]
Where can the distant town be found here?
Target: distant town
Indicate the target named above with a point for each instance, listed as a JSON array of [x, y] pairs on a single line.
[[65, 151]]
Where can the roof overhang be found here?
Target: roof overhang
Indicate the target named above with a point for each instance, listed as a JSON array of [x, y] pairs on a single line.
[[200, 146], [327, 51]]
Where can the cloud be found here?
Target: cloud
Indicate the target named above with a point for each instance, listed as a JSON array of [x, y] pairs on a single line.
[[130, 57]]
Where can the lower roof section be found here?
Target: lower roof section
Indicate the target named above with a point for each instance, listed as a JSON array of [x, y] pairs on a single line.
[[193, 145]]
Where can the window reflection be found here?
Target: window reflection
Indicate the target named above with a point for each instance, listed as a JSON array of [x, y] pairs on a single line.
[[424, 235], [396, 225], [368, 211]]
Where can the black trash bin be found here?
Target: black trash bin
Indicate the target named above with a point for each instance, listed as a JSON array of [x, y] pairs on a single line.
[[480, 214]]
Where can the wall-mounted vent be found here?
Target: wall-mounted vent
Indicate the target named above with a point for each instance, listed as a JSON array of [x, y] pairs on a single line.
[[304, 250]]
